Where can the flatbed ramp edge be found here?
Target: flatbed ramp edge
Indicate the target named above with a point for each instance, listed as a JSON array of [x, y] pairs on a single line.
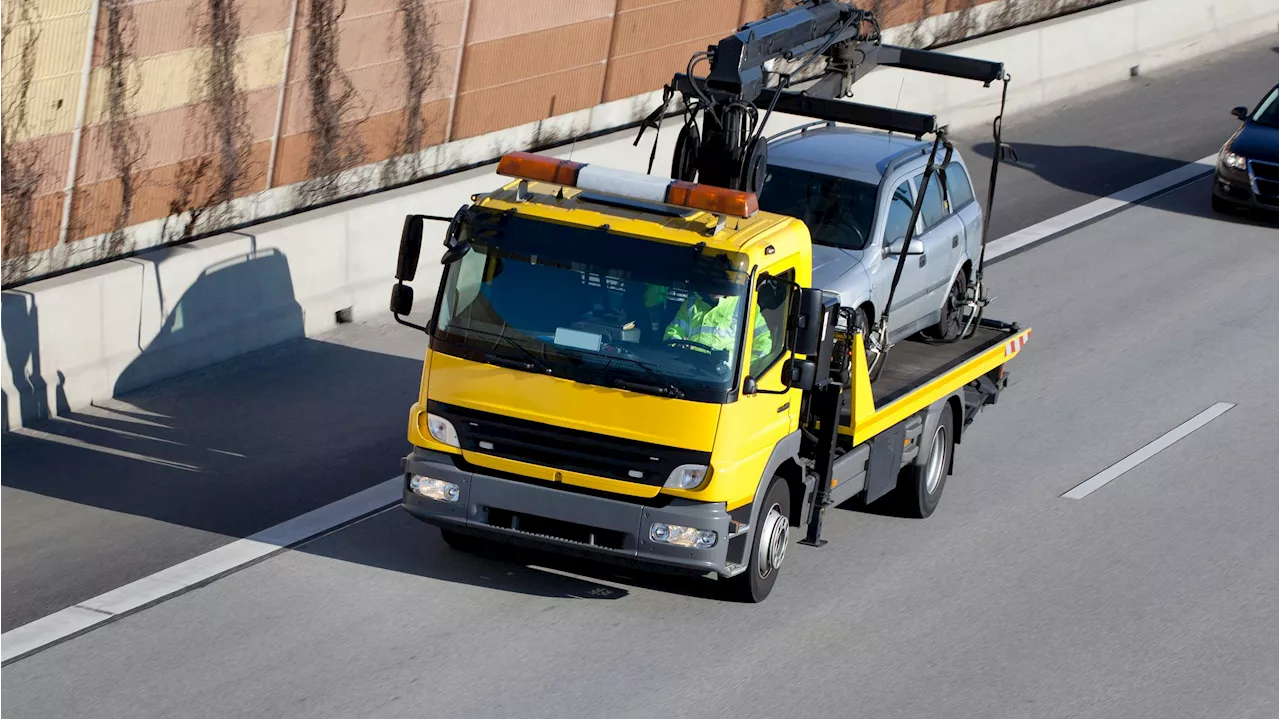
[[918, 374]]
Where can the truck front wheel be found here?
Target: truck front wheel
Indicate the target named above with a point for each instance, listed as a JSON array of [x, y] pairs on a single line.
[[769, 541]]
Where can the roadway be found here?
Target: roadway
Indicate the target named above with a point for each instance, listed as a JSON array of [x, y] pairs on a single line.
[[1154, 596]]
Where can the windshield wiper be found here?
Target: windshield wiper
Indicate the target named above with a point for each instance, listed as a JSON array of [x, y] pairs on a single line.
[[663, 387], [534, 363]]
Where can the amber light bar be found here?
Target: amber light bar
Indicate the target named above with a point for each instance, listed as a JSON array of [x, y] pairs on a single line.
[[583, 176]]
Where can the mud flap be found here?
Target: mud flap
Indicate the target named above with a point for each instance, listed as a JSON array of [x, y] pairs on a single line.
[[885, 462]]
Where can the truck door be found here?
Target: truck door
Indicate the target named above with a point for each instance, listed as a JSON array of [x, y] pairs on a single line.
[[750, 427]]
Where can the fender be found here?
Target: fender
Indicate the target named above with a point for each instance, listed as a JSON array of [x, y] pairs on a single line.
[[932, 416], [787, 448]]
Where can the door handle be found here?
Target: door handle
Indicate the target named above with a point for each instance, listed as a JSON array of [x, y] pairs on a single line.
[[955, 241]]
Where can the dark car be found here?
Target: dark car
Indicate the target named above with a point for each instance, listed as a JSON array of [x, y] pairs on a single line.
[[1245, 177]]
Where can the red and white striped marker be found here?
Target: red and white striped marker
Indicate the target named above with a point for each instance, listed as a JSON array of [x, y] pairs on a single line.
[[1011, 348]]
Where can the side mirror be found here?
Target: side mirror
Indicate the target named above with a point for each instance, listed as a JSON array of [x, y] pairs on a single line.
[[401, 299], [1241, 113], [806, 322], [915, 248], [800, 374], [410, 248], [455, 252], [750, 386]]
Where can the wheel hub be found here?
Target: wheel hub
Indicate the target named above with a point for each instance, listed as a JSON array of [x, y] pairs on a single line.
[[937, 461], [773, 542]]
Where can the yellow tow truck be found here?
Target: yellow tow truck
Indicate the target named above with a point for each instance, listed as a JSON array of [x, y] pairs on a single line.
[[565, 405]]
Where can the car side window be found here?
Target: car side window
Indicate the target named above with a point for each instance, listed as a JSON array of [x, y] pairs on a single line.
[[959, 189], [933, 210], [895, 226], [773, 300]]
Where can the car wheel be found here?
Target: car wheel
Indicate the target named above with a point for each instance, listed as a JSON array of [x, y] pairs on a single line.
[[875, 355], [951, 324], [1220, 205]]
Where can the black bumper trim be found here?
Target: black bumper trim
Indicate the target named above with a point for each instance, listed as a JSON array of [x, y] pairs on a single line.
[[487, 504]]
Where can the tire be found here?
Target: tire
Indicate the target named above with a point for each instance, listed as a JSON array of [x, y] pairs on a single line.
[[1220, 205], [952, 321], [863, 322], [920, 485], [769, 538]]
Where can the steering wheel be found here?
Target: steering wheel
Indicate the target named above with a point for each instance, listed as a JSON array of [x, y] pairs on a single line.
[[676, 341], [844, 221]]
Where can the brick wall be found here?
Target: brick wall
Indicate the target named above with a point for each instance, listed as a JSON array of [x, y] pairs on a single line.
[[191, 103]]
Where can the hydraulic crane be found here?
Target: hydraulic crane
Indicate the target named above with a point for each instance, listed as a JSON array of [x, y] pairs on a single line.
[[828, 46]]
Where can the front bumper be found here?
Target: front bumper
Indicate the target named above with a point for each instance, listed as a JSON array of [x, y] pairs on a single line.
[[544, 516], [1239, 188]]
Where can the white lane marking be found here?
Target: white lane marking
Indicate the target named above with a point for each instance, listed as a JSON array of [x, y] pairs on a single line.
[[57, 626], [1099, 207], [1085, 488]]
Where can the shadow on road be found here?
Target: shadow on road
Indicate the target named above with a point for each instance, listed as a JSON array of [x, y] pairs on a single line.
[[105, 495]]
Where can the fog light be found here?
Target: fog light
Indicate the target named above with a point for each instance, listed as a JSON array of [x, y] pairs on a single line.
[[682, 536], [436, 489]]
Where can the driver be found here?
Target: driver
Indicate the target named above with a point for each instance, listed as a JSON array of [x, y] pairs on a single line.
[[711, 324]]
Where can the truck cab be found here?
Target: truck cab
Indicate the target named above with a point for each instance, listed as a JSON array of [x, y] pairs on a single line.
[[855, 190]]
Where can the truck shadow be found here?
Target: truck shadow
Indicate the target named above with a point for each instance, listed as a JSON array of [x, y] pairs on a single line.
[[396, 542], [106, 494]]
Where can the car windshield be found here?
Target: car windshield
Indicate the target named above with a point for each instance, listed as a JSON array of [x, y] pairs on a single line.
[[838, 211], [594, 305], [1266, 112]]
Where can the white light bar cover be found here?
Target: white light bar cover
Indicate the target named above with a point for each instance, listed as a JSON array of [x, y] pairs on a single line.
[[623, 182]]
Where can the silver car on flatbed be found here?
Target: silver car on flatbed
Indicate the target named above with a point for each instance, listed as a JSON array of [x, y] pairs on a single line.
[[855, 189]]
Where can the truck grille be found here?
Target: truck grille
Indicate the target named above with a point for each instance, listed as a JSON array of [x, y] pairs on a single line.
[[567, 449], [1265, 181]]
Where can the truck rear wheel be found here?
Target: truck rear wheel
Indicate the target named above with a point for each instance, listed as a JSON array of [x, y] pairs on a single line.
[[920, 485], [769, 540]]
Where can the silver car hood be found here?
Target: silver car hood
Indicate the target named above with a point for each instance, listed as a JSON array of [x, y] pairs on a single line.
[[832, 264]]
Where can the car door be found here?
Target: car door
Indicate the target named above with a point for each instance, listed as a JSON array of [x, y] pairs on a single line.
[[913, 284], [941, 232], [962, 203]]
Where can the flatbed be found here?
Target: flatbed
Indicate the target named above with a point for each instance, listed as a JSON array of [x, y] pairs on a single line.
[[913, 363]]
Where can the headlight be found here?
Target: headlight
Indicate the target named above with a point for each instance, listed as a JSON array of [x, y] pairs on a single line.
[[1231, 159], [682, 536], [436, 489], [687, 476], [442, 430]]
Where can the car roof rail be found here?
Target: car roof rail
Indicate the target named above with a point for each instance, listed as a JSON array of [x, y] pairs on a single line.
[[800, 129], [892, 162]]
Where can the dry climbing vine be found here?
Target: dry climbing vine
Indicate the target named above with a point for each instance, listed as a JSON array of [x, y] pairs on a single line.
[[332, 97], [220, 170], [20, 169], [122, 135], [421, 60]]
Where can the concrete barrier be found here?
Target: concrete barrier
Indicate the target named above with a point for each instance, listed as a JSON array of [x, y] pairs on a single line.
[[104, 331]]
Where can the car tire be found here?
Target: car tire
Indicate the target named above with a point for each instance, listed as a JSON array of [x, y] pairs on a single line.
[[1220, 205], [951, 324], [863, 322]]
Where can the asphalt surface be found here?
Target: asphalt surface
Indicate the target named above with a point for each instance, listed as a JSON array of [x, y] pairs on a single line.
[[1154, 596]]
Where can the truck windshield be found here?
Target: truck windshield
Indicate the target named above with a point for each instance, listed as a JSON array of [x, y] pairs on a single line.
[[838, 211], [595, 306]]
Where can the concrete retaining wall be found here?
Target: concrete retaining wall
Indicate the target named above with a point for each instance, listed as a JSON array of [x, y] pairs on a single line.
[[105, 331]]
